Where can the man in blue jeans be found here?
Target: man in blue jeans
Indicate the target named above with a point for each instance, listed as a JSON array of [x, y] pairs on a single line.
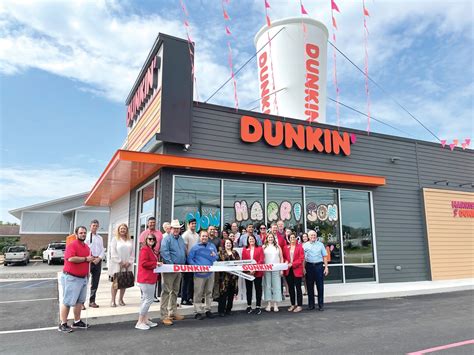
[[315, 256], [203, 253]]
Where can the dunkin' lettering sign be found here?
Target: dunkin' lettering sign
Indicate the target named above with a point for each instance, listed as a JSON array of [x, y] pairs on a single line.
[[276, 133], [264, 82], [312, 83], [144, 91]]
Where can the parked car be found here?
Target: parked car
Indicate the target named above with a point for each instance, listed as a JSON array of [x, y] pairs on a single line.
[[54, 253], [17, 255]]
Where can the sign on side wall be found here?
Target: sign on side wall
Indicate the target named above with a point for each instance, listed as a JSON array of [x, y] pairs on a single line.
[[463, 209]]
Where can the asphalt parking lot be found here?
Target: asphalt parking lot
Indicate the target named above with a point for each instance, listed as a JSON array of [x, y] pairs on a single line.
[[386, 326], [28, 304], [35, 269]]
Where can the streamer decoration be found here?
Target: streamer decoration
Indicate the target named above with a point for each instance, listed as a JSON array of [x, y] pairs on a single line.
[[229, 48], [269, 23], [190, 45], [366, 64], [335, 8]]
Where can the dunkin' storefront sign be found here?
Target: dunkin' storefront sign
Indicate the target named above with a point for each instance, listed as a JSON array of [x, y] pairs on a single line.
[[276, 133], [144, 92]]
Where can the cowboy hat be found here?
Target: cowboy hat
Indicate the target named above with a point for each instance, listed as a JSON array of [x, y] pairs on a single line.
[[175, 224]]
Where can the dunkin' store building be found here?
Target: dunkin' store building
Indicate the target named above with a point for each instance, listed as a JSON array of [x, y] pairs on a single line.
[[389, 209]]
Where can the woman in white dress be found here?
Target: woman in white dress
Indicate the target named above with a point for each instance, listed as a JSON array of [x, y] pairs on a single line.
[[272, 279], [122, 256]]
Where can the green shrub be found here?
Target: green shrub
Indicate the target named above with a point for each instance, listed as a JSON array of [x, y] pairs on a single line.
[[8, 242]]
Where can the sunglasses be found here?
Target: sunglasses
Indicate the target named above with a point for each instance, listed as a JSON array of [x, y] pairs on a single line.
[[151, 238], [262, 228]]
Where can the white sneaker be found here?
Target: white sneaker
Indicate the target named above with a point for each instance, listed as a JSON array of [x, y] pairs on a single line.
[[275, 308], [142, 326], [151, 324], [268, 308]]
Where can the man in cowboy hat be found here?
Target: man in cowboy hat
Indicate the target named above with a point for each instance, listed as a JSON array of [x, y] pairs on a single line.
[[173, 251]]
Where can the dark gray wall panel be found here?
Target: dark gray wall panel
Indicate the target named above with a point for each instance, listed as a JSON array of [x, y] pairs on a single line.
[[132, 215], [398, 211]]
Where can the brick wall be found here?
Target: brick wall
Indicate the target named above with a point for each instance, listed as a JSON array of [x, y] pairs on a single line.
[[39, 241]]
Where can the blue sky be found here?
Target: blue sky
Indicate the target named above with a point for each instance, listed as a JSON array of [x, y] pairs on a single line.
[[66, 68]]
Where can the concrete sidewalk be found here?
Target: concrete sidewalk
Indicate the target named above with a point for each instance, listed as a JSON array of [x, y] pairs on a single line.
[[333, 293]]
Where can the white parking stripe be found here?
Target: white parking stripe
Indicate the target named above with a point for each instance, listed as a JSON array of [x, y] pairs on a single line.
[[35, 284], [26, 280], [26, 330], [8, 284], [34, 300]]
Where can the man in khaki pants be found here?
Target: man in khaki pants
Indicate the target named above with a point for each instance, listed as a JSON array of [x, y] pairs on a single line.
[[203, 253], [173, 251]]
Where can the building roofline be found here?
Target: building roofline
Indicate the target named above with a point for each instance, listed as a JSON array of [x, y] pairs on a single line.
[[198, 104], [17, 211]]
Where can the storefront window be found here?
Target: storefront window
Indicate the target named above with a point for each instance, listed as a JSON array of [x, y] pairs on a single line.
[[362, 273], [243, 203], [334, 276], [197, 198], [285, 202], [148, 199], [322, 215], [356, 227]]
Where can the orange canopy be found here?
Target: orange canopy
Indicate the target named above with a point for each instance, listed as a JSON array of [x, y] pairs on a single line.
[[128, 169]]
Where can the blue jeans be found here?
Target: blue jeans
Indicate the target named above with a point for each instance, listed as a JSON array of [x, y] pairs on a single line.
[[74, 289], [272, 286]]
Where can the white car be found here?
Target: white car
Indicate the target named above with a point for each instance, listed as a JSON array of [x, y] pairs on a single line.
[[17, 255], [54, 253]]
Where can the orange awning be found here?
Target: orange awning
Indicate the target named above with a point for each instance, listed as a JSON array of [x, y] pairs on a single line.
[[129, 169]]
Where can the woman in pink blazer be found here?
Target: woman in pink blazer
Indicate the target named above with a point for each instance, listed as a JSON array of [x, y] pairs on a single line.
[[254, 252], [293, 255]]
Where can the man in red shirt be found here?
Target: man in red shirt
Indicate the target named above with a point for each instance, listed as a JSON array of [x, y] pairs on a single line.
[[74, 280], [278, 230]]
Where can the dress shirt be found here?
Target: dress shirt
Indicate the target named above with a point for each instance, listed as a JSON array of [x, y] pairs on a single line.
[[96, 245], [314, 252]]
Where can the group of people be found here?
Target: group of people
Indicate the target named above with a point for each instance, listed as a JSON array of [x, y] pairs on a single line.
[[306, 259]]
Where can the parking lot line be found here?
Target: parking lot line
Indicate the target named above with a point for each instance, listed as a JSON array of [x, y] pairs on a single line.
[[35, 284], [36, 299], [26, 330], [442, 347], [7, 284]]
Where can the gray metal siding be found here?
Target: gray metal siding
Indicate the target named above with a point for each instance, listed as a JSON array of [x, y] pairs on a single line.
[[132, 214], [398, 210]]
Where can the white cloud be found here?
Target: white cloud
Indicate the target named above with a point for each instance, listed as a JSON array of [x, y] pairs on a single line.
[[22, 186], [44, 183], [101, 45]]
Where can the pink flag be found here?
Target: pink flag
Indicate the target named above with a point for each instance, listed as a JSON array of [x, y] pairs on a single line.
[[468, 141], [443, 142], [353, 138], [303, 10], [267, 5], [226, 16], [186, 23], [464, 145], [366, 12], [227, 30], [334, 24], [334, 6], [456, 142], [451, 146], [269, 23]]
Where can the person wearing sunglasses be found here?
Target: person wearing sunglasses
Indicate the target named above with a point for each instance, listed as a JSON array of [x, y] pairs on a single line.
[[146, 280], [263, 233]]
